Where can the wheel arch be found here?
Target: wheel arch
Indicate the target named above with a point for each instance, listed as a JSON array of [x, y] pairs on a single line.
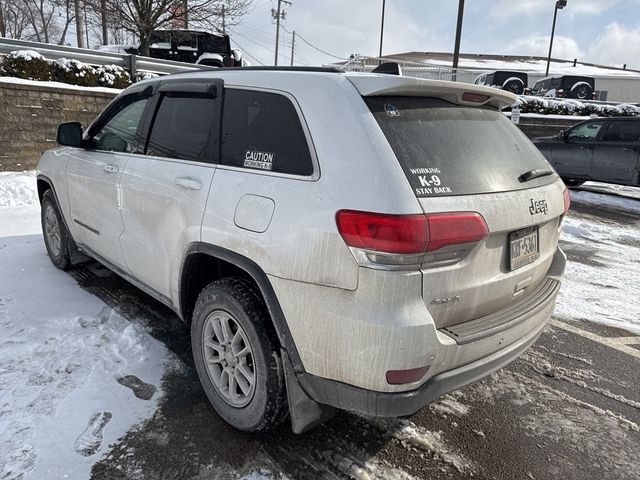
[[44, 183], [204, 263]]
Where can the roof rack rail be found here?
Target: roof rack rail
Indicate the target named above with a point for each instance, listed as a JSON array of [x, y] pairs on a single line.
[[282, 69]]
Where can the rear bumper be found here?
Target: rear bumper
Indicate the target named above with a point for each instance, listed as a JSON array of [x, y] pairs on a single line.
[[517, 335], [383, 404]]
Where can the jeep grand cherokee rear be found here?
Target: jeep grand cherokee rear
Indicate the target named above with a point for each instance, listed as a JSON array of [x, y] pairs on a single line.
[[366, 242]]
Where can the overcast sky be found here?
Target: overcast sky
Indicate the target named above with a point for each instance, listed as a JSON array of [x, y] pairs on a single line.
[[598, 31]]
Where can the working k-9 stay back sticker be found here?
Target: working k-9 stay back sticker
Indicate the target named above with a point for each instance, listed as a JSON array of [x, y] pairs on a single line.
[[256, 159]]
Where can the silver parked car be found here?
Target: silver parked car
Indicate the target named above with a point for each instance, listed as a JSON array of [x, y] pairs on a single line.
[[364, 242]]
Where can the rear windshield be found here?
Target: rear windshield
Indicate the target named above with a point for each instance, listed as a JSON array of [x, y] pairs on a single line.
[[446, 149]]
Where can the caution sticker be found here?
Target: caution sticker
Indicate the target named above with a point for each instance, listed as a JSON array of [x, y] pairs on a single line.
[[257, 159]]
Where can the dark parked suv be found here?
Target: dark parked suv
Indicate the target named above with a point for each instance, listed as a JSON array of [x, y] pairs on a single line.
[[192, 46], [509, 80], [565, 86], [603, 150]]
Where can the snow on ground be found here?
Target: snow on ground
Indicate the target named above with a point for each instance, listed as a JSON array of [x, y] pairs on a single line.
[[603, 286], [71, 369], [75, 375], [535, 67], [65, 86]]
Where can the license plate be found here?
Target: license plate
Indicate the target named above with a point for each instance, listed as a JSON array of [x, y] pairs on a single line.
[[523, 247]]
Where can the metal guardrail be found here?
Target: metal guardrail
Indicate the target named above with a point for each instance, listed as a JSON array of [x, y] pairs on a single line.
[[412, 69], [132, 63]]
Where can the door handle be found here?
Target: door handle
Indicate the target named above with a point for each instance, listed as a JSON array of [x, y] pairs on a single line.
[[189, 183], [110, 168], [628, 149]]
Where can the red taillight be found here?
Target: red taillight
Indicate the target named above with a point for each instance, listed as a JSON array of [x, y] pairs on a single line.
[[455, 228], [474, 97], [409, 234], [385, 233], [400, 377], [567, 200]]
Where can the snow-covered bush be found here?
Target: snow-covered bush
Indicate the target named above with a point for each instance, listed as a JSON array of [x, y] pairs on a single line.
[[26, 64], [74, 72], [142, 75], [552, 106], [113, 76]]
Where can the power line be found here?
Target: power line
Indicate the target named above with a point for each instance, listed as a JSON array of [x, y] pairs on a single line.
[[313, 46], [244, 50], [261, 45]]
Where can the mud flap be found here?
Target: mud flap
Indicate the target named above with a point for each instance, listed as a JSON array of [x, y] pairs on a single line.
[[76, 256], [305, 413]]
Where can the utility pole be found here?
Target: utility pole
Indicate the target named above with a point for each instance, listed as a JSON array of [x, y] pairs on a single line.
[[224, 25], [104, 21], [86, 24], [3, 27], [277, 15], [381, 29], [560, 4], [456, 50], [293, 46], [79, 36]]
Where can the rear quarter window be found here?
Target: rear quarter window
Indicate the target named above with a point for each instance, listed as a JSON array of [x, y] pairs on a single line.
[[262, 131], [446, 149]]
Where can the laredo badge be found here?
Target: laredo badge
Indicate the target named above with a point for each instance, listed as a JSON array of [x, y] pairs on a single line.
[[256, 159]]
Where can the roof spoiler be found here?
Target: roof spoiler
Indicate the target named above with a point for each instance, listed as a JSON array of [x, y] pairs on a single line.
[[389, 68]]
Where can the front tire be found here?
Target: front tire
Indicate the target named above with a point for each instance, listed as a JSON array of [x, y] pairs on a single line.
[[54, 231], [236, 357]]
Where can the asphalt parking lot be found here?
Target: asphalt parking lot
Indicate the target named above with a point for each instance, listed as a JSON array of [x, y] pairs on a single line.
[[568, 409]]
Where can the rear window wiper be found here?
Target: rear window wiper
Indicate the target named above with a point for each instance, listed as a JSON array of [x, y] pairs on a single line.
[[536, 173]]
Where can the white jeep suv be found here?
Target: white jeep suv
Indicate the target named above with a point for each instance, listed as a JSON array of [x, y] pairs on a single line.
[[364, 242]]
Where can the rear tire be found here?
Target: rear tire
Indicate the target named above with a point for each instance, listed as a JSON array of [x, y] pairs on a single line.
[[581, 92], [55, 233], [514, 86], [236, 358]]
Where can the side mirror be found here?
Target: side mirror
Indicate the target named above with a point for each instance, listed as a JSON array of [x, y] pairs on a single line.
[[562, 135], [69, 134]]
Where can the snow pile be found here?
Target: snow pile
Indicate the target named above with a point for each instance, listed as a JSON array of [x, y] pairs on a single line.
[[74, 375], [18, 189], [601, 279]]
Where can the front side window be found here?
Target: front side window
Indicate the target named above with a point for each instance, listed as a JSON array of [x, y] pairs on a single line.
[[262, 131], [118, 134], [183, 127], [586, 131], [626, 131]]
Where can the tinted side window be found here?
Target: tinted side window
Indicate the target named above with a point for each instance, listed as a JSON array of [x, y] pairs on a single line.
[[586, 131], [262, 131], [119, 133], [622, 132], [182, 127]]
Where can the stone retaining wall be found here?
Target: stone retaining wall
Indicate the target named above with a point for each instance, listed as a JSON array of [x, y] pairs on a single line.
[[29, 115]]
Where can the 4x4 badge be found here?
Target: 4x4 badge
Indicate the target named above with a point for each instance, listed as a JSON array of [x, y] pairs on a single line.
[[538, 206]]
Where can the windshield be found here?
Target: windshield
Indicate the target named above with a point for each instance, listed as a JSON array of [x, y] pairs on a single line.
[[446, 149]]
